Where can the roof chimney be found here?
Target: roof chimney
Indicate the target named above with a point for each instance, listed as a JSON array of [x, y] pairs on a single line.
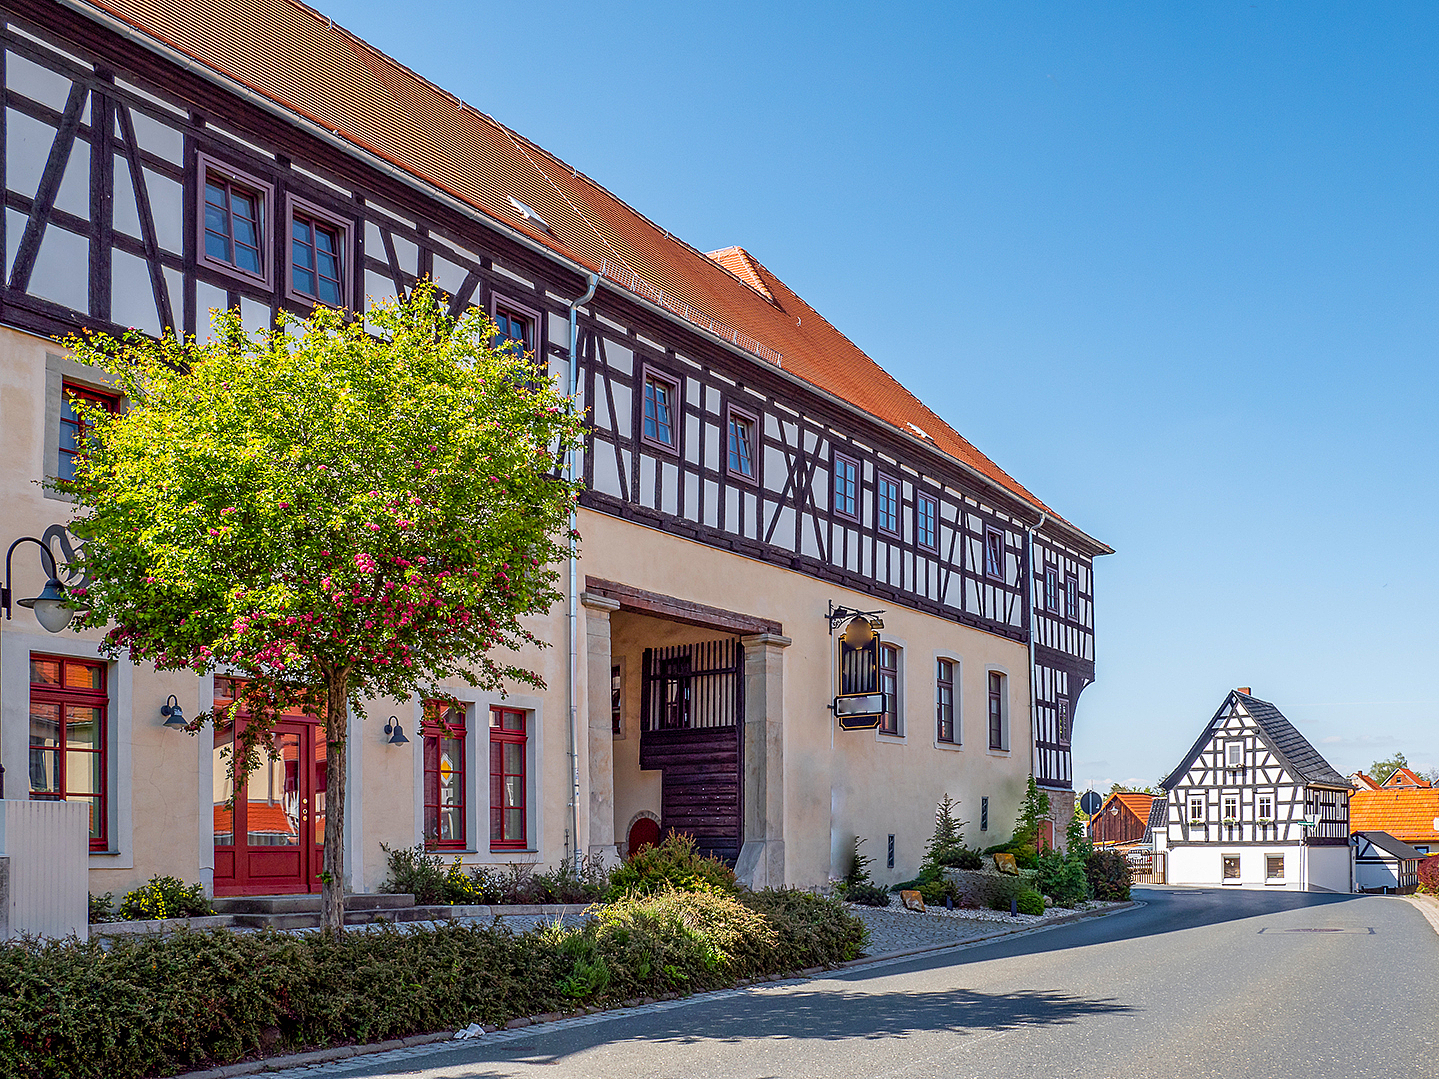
[[1244, 690]]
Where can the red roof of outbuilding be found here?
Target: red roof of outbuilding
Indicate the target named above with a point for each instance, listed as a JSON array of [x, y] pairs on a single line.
[[1410, 814], [298, 59]]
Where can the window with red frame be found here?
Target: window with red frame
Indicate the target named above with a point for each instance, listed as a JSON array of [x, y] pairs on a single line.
[[68, 708], [508, 737], [316, 251], [442, 731], [846, 486], [889, 686], [516, 332], [234, 224], [926, 519], [73, 427], [887, 515]]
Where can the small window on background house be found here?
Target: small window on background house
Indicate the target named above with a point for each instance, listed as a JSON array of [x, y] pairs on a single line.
[[234, 224], [316, 259], [984, 814], [1196, 809], [1051, 589], [1234, 754], [658, 424], [889, 686], [68, 718], [1274, 867], [846, 487], [944, 700], [508, 796], [442, 729], [73, 429], [996, 711], [741, 445], [514, 331], [994, 553], [1071, 598], [926, 522], [616, 712], [1231, 867], [1062, 721], [887, 505]]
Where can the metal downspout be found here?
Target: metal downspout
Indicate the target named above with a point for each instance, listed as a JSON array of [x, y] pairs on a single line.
[[574, 592]]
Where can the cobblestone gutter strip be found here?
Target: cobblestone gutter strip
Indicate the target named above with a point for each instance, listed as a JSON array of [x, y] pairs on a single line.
[[1427, 905], [402, 1049]]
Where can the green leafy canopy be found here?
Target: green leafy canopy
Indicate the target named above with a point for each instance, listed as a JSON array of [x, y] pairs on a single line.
[[331, 513]]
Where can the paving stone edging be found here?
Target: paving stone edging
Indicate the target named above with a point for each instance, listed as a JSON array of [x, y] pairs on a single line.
[[344, 1052]]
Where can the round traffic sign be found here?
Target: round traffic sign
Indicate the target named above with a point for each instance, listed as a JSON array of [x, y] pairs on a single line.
[[1090, 802]]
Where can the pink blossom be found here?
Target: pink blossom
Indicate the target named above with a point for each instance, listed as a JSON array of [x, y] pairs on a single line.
[[373, 527], [284, 505]]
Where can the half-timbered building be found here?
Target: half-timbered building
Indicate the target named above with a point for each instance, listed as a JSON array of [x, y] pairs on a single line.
[[747, 471], [1254, 803]]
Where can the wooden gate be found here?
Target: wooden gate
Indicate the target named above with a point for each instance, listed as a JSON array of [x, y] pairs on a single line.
[[692, 728], [1147, 867]]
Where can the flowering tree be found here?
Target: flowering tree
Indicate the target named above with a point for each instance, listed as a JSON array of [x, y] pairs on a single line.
[[330, 515]]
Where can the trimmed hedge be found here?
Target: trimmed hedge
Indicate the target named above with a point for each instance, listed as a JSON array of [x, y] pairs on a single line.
[[1429, 874], [156, 1005], [1109, 875]]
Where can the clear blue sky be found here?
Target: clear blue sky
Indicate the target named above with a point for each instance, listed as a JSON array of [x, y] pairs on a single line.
[[1172, 265]]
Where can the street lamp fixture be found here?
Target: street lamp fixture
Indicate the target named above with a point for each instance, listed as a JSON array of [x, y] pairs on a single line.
[[51, 609]]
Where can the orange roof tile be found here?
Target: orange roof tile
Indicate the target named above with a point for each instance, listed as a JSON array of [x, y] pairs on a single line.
[[1136, 803], [1403, 777], [1410, 814], [1363, 780], [298, 59]]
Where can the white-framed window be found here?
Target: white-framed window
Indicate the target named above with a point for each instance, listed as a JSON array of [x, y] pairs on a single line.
[[1274, 867], [1231, 807], [1234, 754], [1264, 807], [1196, 808]]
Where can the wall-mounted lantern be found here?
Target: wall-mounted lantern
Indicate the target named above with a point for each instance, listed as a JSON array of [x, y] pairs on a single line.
[[51, 609], [397, 736], [174, 715]]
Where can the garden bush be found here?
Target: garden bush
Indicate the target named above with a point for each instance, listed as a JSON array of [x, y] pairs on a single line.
[[1030, 902], [983, 889], [426, 876], [858, 886], [155, 1005], [160, 897], [1108, 873], [1063, 877], [1429, 874], [674, 863]]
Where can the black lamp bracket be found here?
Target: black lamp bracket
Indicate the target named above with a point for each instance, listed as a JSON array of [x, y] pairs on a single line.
[[6, 590], [838, 616]]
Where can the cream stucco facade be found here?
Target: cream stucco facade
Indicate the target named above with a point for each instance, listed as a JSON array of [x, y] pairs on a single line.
[[809, 788]]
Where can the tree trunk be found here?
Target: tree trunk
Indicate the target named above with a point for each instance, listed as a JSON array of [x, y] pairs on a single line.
[[332, 880]]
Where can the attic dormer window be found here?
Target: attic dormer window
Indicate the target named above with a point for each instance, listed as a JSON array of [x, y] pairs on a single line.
[[1234, 755]]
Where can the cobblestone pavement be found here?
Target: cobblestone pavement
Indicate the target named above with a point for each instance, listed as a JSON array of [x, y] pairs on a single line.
[[893, 929]]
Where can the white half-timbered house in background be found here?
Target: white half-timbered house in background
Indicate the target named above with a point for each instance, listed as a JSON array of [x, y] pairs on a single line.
[[1253, 803], [747, 467]]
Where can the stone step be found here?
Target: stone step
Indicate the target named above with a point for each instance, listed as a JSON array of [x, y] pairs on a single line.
[[305, 904]]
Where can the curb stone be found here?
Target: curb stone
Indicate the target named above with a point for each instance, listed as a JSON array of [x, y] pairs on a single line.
[[1427, 906], [590, 1014]]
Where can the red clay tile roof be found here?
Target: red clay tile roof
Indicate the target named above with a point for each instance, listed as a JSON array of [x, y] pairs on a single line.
[[1363, 781], [298, 59], [1136, 803], [1405, 813], [1403, 777]]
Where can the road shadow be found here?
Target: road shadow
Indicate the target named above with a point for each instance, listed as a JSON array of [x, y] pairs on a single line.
[[829, 1014]]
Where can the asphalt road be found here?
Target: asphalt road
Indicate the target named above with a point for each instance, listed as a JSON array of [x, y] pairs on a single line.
[[1231, 984]]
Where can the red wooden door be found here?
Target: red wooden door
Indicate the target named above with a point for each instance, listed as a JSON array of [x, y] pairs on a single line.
[[270, 839]]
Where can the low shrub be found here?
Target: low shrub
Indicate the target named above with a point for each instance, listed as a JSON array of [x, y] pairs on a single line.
[[1063, 878], [675, 863], [858, 886], [155, 1005], [1429, 874], [425, 875], [414, 872], [1030, 902], [934, 892], [102, 908], [160, 897], [1109, 875]]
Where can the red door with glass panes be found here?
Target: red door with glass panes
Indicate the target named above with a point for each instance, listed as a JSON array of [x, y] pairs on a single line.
[[271, 839]]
